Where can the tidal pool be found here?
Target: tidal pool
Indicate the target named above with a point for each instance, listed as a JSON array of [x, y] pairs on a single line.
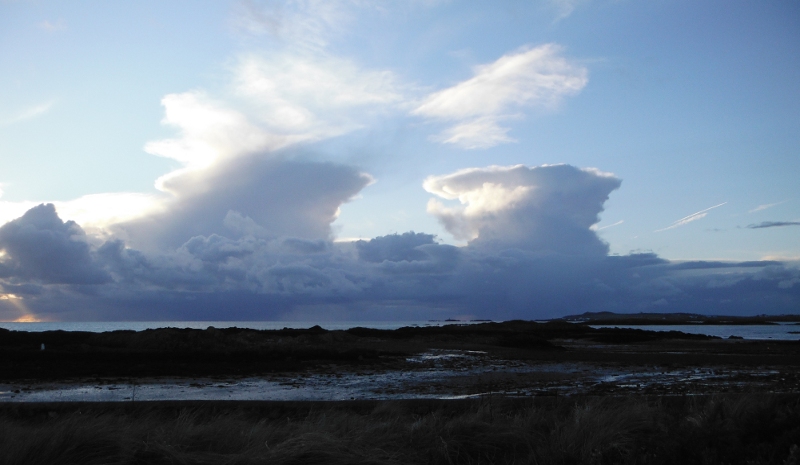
[[442, 374]]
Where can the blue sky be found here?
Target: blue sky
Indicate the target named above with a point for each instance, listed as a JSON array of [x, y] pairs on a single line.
[[161, 127]]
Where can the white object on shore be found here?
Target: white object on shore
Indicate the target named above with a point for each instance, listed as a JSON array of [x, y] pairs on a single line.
[[42, 346]]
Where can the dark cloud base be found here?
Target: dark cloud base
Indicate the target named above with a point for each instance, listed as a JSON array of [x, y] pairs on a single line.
[[407, 276], [252, 241]]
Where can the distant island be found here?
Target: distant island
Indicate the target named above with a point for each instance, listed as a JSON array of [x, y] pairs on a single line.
[[611, 318]]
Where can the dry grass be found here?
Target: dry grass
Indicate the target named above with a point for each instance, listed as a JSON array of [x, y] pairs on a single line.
[[754, 429]]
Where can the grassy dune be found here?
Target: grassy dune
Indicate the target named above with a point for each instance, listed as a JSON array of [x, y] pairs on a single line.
[[741, 429]]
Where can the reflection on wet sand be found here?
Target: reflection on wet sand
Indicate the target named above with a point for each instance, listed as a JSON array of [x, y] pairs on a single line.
[[437, 373]]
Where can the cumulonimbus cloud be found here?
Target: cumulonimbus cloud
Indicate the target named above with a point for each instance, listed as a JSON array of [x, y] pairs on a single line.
[[242, 229], [530, 77], [534, 256], [280, 100], [39, 246], [279, 195], [548, 208]]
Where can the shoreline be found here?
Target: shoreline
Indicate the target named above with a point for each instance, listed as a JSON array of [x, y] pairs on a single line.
[[522, 359]]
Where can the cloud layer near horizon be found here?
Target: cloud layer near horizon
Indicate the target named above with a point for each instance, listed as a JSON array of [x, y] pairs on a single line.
[[260, 247], [241, 228]]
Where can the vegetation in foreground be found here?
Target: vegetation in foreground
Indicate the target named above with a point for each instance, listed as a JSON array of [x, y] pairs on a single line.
[[742, 429]]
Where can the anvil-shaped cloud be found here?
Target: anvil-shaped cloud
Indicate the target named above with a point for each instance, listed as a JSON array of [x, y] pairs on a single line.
[[241, 230], [531, 254], [545, 208]]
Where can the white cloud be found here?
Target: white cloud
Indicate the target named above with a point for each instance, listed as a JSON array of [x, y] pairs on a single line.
[[30, 113], [304, 24], [209, 132], [272, 194], [53, 26], [531, 77], [766, 206], [310, 25], [550, 207], [480, 133], [688, 219], [595, 227], [312, 94], [278, 100], [564, 8]]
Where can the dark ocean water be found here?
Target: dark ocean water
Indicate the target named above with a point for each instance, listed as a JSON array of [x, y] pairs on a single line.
[[99, 327]]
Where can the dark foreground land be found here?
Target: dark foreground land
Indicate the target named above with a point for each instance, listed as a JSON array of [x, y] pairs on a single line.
[[513, 358], [719, 429], [539, 393]]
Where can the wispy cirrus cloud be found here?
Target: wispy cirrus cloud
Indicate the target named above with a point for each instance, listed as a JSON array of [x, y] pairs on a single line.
[[564, 8], [594, 227], [688, 219], [29, 113], [772, 224], [306, 24], [53, 26], [766, 206], [530, 77]]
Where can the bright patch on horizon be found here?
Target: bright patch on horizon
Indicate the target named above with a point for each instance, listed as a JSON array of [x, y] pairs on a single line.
[[26, 316], [28, 319]]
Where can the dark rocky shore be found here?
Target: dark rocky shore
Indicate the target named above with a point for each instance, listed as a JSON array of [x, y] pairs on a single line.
[[521, 357]]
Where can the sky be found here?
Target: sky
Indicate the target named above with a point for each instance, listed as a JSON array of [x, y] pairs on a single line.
[[376, 160]]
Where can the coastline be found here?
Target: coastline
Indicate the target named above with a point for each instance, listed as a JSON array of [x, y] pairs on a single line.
[[517, 359]]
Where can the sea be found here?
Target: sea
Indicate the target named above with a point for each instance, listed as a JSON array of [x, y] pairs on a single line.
[[779, 331], [101, 327]]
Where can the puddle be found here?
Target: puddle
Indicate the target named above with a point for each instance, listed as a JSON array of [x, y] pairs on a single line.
[[443, 374]]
